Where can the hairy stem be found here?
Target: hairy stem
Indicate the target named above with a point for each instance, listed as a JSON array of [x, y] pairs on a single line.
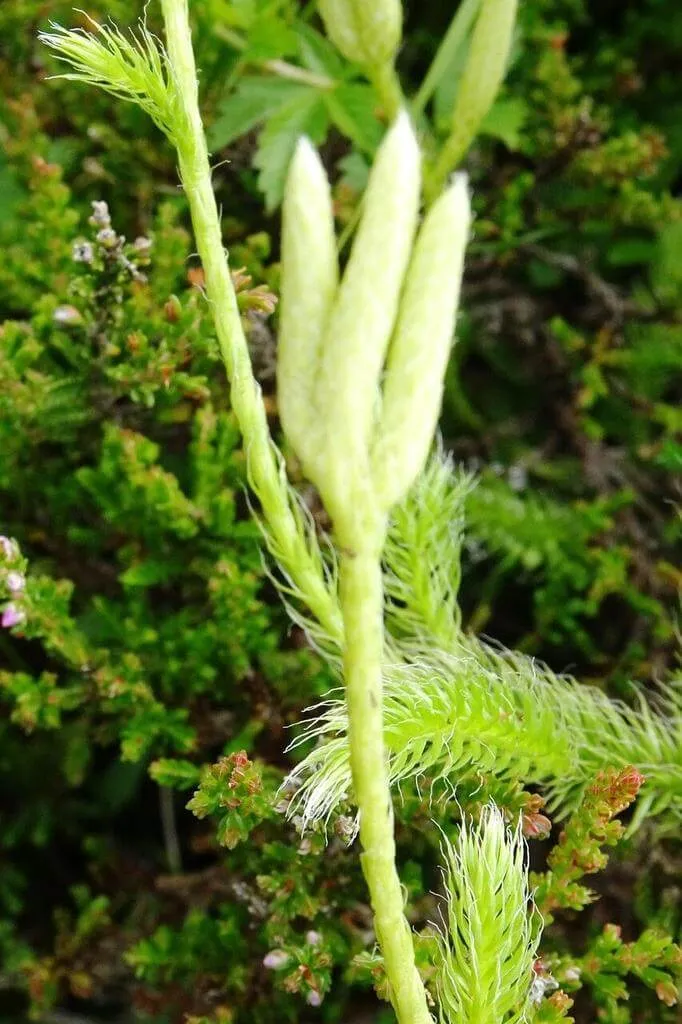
[[361, 594], [245, 396]]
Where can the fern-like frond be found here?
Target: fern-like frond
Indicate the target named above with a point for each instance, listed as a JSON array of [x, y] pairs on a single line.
[[132, 67], [421, 592], [485, 710], [532, 531], [456, 705], [488, 945], [601, 732]]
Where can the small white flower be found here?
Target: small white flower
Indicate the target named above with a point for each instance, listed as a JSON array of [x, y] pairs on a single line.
[[82, 252], [275, 959], [108, 238], [540, 986], [15, 582], [100, 214], [66, 315]]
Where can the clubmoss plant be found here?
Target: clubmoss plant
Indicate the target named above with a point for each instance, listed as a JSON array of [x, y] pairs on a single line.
[[455, 704], [489, 941], [343, 474], [362, 360], [362, 467]]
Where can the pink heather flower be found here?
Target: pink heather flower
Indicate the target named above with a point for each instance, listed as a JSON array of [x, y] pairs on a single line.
[[7, 547], [314, 998], [275, 959], [15, 582], [12, 616]]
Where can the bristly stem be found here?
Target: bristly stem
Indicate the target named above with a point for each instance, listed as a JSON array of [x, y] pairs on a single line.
[[361, 594], [245, 395]]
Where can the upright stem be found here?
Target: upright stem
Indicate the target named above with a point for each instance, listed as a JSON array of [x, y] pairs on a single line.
[[245, 394], [359, 572], [448, 159], [361, 593], [387, 84]]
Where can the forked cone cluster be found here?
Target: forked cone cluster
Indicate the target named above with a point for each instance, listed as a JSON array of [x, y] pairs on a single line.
[[362, 356]]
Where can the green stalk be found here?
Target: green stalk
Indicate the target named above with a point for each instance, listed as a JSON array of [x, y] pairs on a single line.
[[361, 594], [360, 574], [482, 76], [245, 395], [387, 84], [453, 39]]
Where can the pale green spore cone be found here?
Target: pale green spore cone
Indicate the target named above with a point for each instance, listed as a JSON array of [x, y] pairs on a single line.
[[366, 32], [488, 952], [308, 285], [420, 348], [364, 313], [484, 71]]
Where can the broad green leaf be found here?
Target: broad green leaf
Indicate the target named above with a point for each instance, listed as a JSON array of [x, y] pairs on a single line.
[[254, 100], [351, 107], [505, 121], [244, 14], [318, 55], [270, 38], [305, 114]]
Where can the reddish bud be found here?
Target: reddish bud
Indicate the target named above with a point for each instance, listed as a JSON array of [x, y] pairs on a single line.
[[536, 826], [667, 992]]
